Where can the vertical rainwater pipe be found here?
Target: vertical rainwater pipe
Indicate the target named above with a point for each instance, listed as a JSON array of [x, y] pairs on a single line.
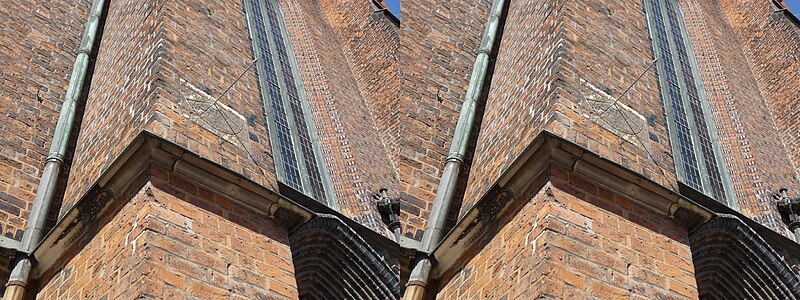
[[415, 289], [34, 229]]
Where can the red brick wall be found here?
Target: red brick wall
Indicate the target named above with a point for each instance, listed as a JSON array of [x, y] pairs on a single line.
[[574, 240], [154, 54], [439, 43], [205, 44], [176, 240], [38, 44], [371, 42], [756, 158], [522, 91], [150, 54], [772, 49], [334, 81], [120, 94], [608, 46], [556, 56]]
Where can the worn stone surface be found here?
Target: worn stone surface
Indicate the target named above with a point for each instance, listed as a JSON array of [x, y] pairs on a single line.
[[575, 240]]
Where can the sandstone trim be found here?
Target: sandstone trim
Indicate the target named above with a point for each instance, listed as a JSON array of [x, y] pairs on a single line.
[[79, 223]]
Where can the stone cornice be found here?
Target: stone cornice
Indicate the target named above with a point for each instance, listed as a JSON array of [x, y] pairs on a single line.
[[531, 171], [132, 169]]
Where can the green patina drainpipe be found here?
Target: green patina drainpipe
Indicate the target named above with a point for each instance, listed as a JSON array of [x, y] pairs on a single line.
[[15, 288], [415, 289]]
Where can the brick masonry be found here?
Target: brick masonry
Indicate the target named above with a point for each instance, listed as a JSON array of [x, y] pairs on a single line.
[[371, 42], [125, 61], [519, 77], [176, 240], [575, 240], [386, 125], [439, 43], [37, 49], [771, 47], [757, 159], [576, 53], [153, 58], [157, 59], [575, 56], [339, 71], [197, 52]]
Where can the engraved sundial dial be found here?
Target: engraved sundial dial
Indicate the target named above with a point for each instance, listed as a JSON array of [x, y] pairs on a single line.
[[212, 115], [611, 114]]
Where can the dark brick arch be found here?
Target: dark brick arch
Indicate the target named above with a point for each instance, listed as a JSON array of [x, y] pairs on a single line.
[[733, 262], [332, 262]]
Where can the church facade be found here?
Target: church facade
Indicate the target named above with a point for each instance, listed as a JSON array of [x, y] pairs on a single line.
[[334, 149]]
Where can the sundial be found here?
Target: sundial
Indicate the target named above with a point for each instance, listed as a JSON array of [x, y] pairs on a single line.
[[612, 114], [212, 114]]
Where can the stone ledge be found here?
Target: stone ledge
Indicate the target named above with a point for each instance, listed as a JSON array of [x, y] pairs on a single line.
[[132, 167], [10, 244], [530, 170]]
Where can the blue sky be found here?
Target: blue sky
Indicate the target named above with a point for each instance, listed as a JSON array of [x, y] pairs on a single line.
[[794, 6], [394, 6]]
